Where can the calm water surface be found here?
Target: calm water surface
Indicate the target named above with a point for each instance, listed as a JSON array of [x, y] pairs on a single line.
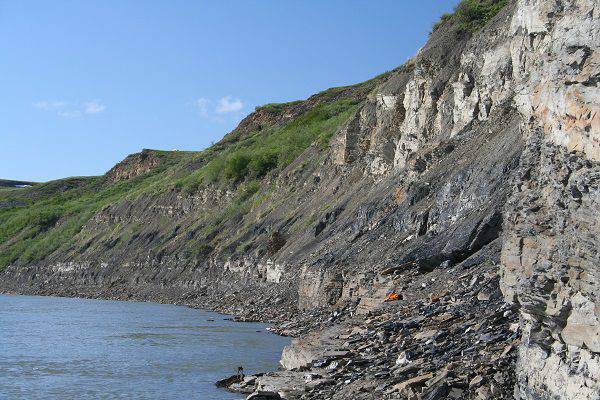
[[59, 348]]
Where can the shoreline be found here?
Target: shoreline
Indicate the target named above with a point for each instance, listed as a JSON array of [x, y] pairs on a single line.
[[355, 349], [136, 297]]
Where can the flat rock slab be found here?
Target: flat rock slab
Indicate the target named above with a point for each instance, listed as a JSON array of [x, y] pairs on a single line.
[[282, 381]]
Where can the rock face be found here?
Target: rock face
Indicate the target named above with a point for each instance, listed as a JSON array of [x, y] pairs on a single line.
[[450, 336], [134, 165], [465, 178], [551, 254]]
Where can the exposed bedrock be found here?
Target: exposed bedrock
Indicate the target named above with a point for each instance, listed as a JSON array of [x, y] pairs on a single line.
[[472, 168], [550, 257]]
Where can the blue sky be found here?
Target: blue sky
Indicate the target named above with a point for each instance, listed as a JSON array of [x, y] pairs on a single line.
[[84, 83]]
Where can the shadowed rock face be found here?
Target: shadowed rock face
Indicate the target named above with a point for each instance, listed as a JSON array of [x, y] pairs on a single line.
[[477, 157]]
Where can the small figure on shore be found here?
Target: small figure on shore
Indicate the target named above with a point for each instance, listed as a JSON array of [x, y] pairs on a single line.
[[240, 371]]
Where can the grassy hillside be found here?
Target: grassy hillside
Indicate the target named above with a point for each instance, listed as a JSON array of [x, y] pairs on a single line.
[[273, 148], [57, 210], [38, 221]]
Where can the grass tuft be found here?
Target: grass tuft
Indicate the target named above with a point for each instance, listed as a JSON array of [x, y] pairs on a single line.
[[472, 15]]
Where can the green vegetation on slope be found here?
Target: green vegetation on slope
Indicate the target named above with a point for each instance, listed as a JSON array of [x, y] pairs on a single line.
[[57, 211], [277, 107], [472, 15], [271, 148]]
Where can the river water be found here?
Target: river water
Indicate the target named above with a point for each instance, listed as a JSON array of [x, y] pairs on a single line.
[[61, 348]]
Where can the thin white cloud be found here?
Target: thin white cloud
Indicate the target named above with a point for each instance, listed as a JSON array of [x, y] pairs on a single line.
[[69, 110], [229, 105], [49, 105], [201, 105], [93, 107]]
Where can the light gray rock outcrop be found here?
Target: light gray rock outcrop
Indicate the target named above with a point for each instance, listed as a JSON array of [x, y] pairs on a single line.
[[551, 254]]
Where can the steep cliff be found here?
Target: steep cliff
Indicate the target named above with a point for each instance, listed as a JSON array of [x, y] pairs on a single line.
[[551, 252], [469, 169]]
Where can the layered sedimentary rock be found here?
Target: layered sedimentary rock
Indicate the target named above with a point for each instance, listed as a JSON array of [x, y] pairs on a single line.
[[550, 257], [479, 157]]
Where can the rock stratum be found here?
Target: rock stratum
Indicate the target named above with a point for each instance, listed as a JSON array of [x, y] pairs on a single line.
[[465, 182]]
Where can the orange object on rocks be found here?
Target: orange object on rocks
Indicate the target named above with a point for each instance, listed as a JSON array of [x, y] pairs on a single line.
[[392, 297]]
